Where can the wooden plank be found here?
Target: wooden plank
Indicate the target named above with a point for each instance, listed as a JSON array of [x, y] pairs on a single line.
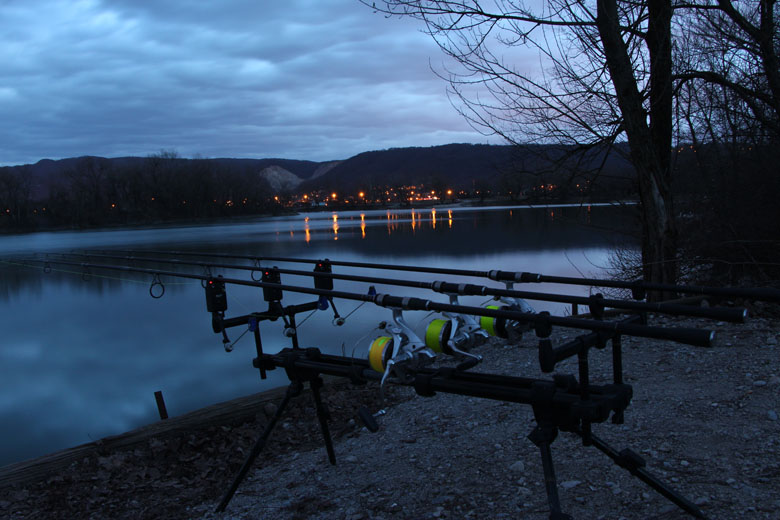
[[242, 408]]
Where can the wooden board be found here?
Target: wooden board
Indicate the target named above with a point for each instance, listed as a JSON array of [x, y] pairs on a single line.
[[242, 408]]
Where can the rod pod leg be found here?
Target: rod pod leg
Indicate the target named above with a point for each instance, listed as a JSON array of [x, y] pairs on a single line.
[[322, 414], [543, 436], [293, 390]]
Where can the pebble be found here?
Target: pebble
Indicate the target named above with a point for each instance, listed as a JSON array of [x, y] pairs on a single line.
[[771, 415], [570, 484], [701, 501], [684, 463], [269, 409], [759, 382], [517, 467]]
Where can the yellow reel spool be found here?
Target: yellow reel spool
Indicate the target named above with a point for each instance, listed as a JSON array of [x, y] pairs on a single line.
[[437, 334], [494, 326], [379, 352]]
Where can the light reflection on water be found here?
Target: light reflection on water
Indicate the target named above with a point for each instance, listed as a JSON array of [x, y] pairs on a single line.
[[81, 360]]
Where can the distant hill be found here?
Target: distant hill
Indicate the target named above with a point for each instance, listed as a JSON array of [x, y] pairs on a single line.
[[456, 166], [460, 166], [47, 172]]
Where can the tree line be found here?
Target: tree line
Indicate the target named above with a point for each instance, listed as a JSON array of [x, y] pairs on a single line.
[[162, 187]]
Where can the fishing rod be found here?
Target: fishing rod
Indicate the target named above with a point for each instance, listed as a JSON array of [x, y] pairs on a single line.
[[543, 321], [637, 287], [596, 303], [561, 404]]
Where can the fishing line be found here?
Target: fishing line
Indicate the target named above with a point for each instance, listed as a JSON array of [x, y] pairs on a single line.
[[353, 310], [233, 344], [299, 325]]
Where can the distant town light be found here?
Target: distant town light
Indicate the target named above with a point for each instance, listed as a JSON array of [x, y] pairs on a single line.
[[449, 192], [333, 195], [361, 194]]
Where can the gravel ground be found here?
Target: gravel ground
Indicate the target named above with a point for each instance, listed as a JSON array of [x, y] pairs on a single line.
[[704, 419]]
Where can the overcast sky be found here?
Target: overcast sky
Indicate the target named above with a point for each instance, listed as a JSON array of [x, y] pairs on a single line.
[[298, 79]]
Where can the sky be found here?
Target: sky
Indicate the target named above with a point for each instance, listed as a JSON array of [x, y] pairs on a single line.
[[299, 79]]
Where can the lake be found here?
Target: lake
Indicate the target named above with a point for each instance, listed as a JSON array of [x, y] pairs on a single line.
[[81, 359]]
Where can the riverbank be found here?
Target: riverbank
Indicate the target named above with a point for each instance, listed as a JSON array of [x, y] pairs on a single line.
[[705, 420]]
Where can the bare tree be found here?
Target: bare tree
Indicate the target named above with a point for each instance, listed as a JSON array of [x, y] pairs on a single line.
[[606, 75], [728, 69]]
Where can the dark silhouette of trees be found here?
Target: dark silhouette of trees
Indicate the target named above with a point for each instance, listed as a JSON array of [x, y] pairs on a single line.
[[163, 187], [15, 191]]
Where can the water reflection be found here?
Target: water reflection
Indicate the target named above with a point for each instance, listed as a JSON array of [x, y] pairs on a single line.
[[81, 360]]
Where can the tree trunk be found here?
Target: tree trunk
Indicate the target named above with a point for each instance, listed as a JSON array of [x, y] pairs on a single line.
[[651, 143]]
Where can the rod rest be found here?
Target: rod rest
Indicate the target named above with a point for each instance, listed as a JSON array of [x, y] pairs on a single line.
[[561, 395], [550, 356], [273, 313]]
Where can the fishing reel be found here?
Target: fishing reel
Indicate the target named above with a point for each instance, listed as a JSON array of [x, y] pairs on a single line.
[[401, 353], [455, 335], [504, 327]]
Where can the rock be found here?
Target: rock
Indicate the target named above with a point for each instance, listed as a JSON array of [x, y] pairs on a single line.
[[269, 409], [701, 501], [568, 484], [771, 415], [759, 382], [351, 459], [684, 463], [517, 467]]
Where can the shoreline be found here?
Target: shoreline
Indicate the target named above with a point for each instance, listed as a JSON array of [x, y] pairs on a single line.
[[704, 419], [195, 222]]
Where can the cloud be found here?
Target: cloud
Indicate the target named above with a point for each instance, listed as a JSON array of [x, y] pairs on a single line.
[[297, 79]]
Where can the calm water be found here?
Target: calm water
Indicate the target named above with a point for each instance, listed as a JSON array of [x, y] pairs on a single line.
[[80, 360]]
